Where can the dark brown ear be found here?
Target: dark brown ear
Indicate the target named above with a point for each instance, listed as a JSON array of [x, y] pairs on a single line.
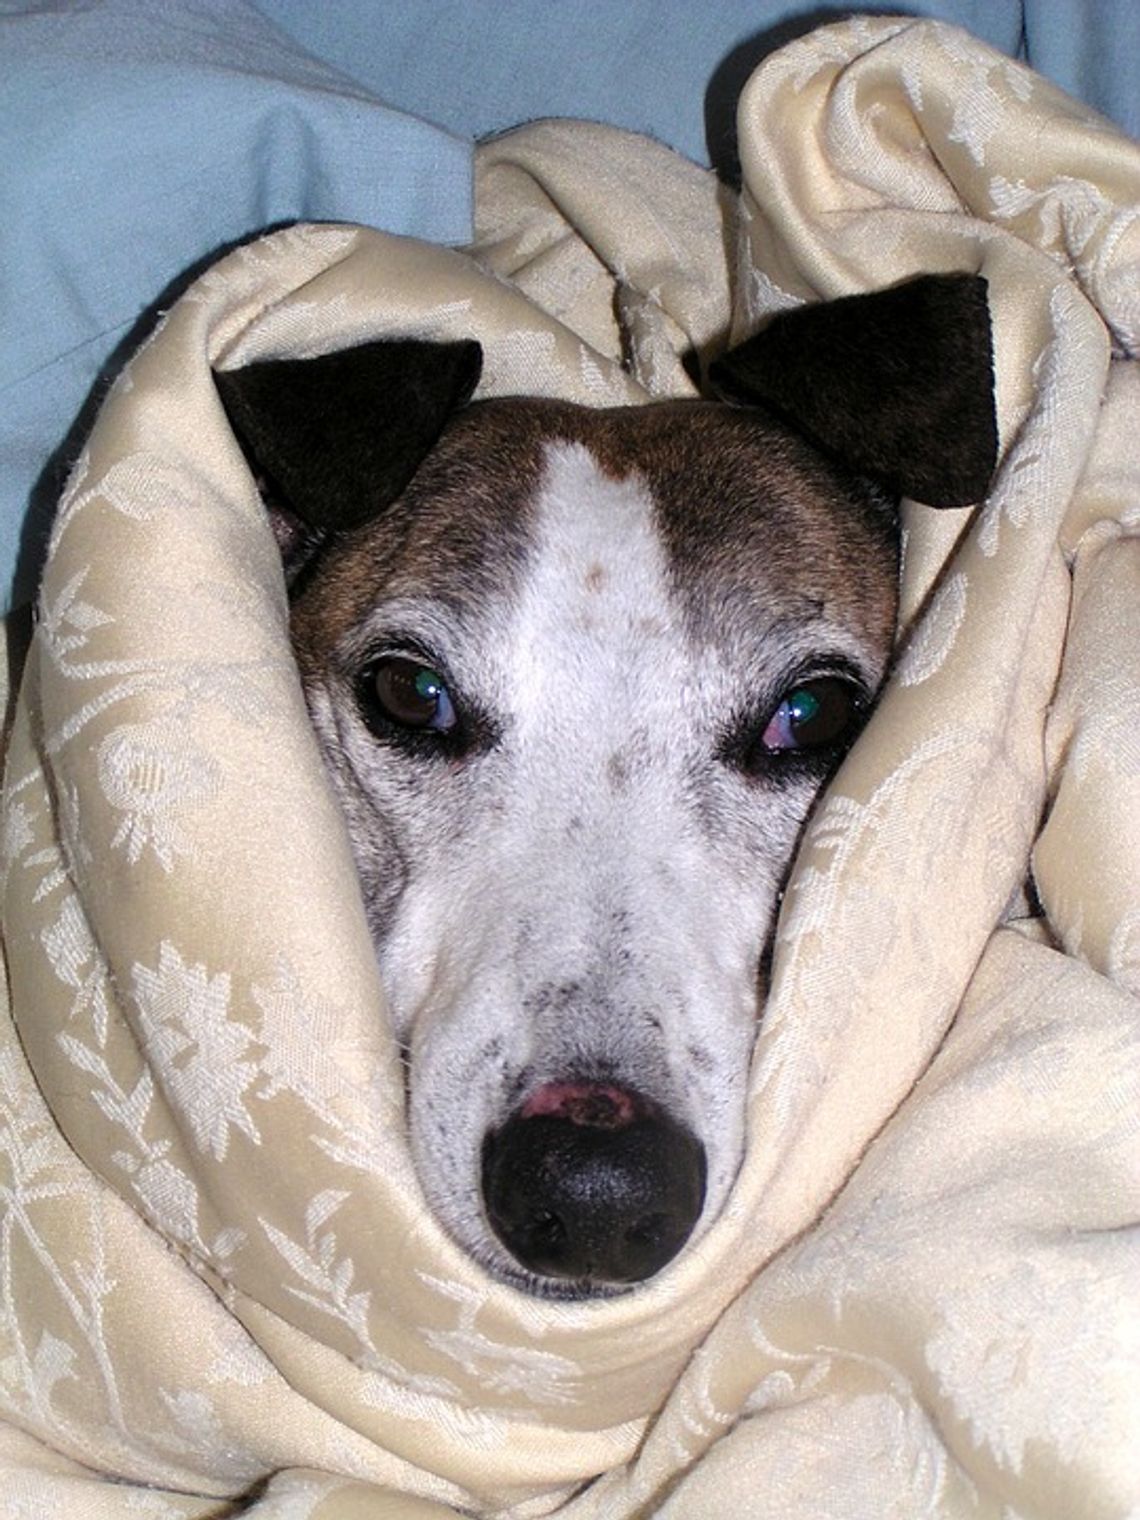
[[338, 437], [898, 384]]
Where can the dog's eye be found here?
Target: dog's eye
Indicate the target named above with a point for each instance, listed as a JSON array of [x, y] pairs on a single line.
[[814, 714], [411, 694]]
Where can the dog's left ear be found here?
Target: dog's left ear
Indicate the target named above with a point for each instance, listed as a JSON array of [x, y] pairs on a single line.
[[897, 384], [339, 436]]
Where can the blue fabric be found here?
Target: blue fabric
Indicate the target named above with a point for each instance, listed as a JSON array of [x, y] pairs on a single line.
[[1092, 49], [136, 137], [667, 67]]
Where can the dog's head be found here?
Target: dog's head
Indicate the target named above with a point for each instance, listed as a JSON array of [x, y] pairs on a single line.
[[578, 676]]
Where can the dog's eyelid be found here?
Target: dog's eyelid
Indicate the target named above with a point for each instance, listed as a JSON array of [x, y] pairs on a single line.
[[355, 660], [741, 746], [470, 731], [399, 643], [832, 666]]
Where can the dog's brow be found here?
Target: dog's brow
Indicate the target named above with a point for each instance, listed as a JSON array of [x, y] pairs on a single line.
[[756, 617], [797, 619], [434, 622]]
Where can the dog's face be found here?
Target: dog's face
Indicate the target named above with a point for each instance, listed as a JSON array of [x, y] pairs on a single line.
[[577, 691], [577, 685]]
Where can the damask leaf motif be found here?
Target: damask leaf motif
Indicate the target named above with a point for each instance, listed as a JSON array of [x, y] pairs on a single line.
[[700, 1418], [67, 622], [845, 836], [1025, 485], [801, 62], [241, 1363], [68, 943], [127, 1108], [195, 1418], [53, 1361], [1078, 224], [773, 1391], [844, 825], [139, 486], [74, 496], [199, 1053], [19, 832], [803, 1374], [308, 247], [995, 1373], [55, 872], [421, 1396], [320, 1210], [248, 690], [169, 1198], [1070, 211], [328, 1064], [166, 1194], [985, 82], [328, 1276], [927, 650], [28, 1140], [77, 961], [78, 1288], [537, 1377]]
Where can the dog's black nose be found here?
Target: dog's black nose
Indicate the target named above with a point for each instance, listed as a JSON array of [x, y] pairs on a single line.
[[591, 1181]]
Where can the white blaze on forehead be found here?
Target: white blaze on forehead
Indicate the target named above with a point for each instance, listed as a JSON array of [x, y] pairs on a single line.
[[599, 644]]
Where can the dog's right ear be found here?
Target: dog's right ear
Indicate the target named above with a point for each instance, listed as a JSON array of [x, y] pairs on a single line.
[[336, 438]]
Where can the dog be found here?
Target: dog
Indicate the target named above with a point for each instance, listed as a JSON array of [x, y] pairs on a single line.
[[578, 676]]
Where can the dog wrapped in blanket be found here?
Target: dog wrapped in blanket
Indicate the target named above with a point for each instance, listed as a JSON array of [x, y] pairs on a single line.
[[225, 1289], [577, 675]]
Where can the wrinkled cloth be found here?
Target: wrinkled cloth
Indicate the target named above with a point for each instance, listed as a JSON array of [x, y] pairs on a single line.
[[222, 1287]]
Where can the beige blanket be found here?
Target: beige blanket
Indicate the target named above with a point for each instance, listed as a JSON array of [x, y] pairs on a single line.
[[220, 1286]]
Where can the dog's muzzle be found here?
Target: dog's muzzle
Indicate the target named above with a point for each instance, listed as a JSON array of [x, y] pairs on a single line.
[[593, 1182]]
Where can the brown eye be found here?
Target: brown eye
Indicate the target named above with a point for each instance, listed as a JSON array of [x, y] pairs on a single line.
[[815, 714], [411, 693]]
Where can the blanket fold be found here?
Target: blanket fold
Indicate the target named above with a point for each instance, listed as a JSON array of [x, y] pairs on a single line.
[[223, 1291]]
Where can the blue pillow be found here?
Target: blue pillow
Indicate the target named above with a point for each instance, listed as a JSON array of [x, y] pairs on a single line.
[[1091, 50], [136, 138], [672, 68]]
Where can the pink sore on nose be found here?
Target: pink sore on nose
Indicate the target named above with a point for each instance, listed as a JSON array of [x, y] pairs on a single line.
[[599, 1104]]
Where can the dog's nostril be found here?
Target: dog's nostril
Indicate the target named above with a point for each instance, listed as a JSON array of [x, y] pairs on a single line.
[[611, 1198]]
